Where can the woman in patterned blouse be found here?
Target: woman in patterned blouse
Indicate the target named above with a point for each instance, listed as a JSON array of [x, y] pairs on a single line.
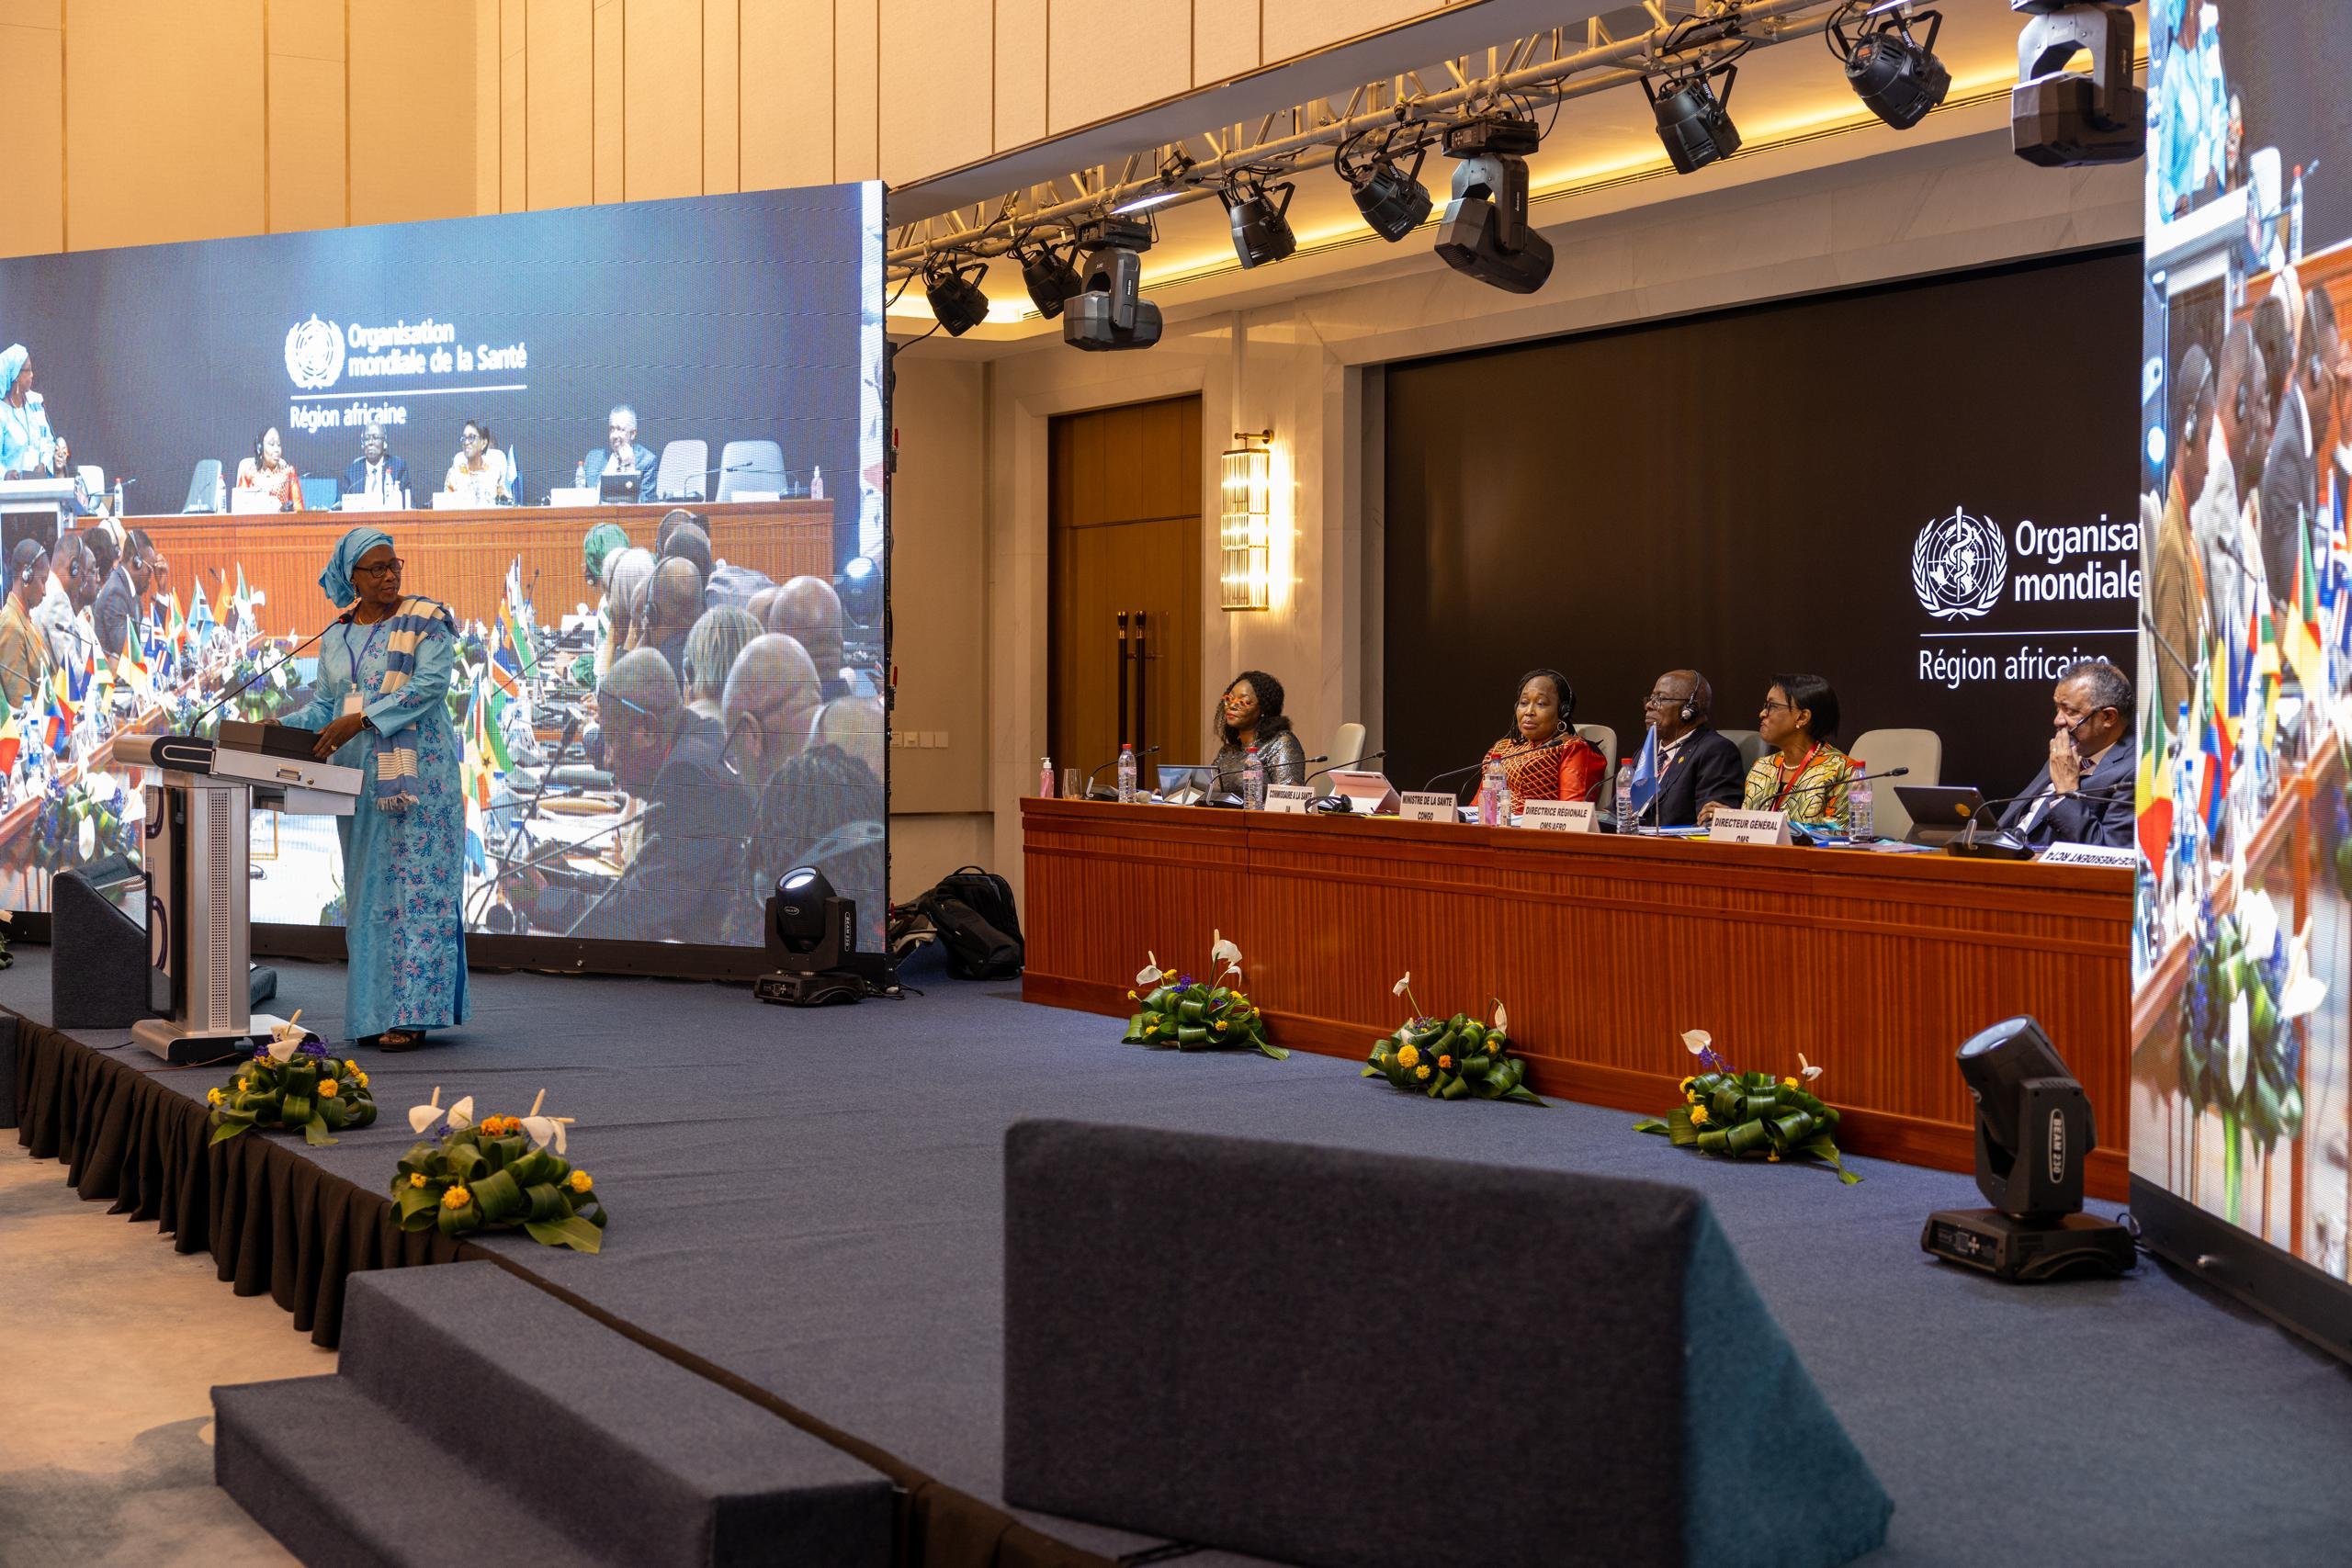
[[1544, 759], [1804, 774]]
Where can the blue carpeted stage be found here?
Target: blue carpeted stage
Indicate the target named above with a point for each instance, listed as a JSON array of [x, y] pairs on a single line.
[[808, 1207]]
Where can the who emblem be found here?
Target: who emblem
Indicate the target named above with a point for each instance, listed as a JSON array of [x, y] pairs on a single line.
[[1958, 566], [314, 355]]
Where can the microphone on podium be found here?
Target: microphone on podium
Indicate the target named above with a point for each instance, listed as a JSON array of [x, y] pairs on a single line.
[[1114, 795]]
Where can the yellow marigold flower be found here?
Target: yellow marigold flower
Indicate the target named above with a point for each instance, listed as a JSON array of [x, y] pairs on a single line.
[[1408, 1055], [1220, 1026], [580, 1181], [1422, 1071], [360, 1078], [1493, 1046], [213, 1096], [1772, 1156], [416, 1178], [1698, 1116], [329, 1088], [351, 1067], [455, 1198], [1132, 997], [1446, 1061], [1791, 1083], [1685, 1085]]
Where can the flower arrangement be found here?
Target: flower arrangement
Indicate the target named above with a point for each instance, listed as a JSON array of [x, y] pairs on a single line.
[[1450, 1059], [1741, 1115], [2240, 1053], [499, 1174], [291, 1083], [1178, 1011]]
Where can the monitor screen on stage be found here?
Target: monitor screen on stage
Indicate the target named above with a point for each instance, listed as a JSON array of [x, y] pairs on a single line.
[[635, 450], [2242, 1065]]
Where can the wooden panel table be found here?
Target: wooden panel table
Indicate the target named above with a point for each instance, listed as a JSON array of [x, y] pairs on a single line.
[[460, 558], [1875, 965]]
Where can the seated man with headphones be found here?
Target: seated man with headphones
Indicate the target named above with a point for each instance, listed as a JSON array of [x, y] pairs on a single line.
[[1695, 765]]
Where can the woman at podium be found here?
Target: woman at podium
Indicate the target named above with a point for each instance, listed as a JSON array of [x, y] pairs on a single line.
[[382, 703], [27, 446]]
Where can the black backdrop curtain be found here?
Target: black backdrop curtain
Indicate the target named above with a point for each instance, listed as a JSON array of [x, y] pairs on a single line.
[[1742, 493]]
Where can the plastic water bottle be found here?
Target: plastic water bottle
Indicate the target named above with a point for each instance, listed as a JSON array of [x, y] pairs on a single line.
[[1626, 820], [1861, 827], [1253, 782], [1127, 772], [1494, 795], [2295, 216], [1044, 778], [816, 482], [580, 474]]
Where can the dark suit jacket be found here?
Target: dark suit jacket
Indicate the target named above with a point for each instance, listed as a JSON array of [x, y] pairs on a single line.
[[647, 463], [2290, 491], [1706, 767], [114, 611], [2071, 819], [687, 879], [355, 477]]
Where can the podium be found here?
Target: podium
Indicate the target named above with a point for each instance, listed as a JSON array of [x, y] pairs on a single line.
[[38, 509], [198, 854]]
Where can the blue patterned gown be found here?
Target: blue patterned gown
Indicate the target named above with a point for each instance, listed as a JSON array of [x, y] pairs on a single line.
[[403, 874]]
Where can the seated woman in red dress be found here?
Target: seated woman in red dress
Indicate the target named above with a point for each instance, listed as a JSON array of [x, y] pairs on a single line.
[[1546, 759]]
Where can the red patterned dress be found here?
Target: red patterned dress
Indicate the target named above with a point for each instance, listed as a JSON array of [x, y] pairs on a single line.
[[1537, 770]]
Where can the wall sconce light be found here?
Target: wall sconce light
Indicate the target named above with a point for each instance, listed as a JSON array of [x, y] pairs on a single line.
[[1245, 517]]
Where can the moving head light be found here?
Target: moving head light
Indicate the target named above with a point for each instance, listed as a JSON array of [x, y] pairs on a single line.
[[1695, 119], [1107, 312], [1897, 77], [1391, 198], [813, 934], [1261, 225], [1483, 232], [2060, 118], [955, 299], [1049, 276]]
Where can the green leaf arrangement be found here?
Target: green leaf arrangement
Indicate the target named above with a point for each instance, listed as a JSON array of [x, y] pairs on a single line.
[[2240, 1048], [1450, 1059], [1737, 1115], [1193, 1015], [498, 1174], [292, 1088]]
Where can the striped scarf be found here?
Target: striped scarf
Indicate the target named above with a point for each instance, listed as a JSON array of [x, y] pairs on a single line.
[[395, 762]]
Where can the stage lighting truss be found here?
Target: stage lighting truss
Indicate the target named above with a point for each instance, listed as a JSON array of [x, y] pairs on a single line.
[[954, 293], [1896, 75]]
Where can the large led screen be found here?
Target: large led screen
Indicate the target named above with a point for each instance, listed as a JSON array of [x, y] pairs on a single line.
[[2242, 1073], [637, 452]]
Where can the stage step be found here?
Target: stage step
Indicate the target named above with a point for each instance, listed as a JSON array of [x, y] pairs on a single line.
[[626, 1453]]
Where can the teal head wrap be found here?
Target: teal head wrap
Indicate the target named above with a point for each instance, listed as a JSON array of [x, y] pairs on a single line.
[[599, 545], [336, 579], [12, 365]]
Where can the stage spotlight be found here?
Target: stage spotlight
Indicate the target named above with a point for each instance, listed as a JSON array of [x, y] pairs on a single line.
[[1897, 77], [860, 587], [1483, 232], [2059, 118], [2033, 1133], [1261, 225], [954, 297], [1051, 277], [1694, 117], [1107, 311], [812, 941], [1391, 200]]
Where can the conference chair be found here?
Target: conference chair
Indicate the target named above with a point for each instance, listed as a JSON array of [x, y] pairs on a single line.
[[681, 475], [1603, 739], [204, 487], [1347, 745], [1751, 746], [754, 466], [1921, 750]]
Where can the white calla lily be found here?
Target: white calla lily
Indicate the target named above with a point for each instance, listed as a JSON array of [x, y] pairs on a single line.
[[2241, 1043], [546, 1129], [461, 1115], [1404, 984], [2259, 924], [419, 1117], [2303, 991], [1222, 951], [1805, 1069], [87, 837], [1151, 974], [282, 1049], [1696, 1041], [1503, 1019]]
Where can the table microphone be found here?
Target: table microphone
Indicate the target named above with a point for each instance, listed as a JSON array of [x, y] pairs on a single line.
[[2006, 843], [1146, 752], [1338, 767]]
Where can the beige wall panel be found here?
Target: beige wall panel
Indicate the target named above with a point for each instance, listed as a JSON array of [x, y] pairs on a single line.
[[163, 120], [612, 100], [661, 98], [307, 183], [33, 177], [414, 150], [1224, 39], [559, 139], [1020, 73], [41, 14], [488, 140], [1293, 27], [938, 501], [788, 103], [720, 52], [311, 28], [856, 76], [1105, 60], [513, 105], [938, 87]]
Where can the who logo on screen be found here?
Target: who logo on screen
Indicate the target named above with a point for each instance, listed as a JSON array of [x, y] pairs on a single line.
[[1958, 565], [314, 355]]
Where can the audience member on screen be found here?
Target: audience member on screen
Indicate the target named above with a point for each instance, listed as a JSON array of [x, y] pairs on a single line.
[[2083, 794], [627, 576], [716, 641], [269, 471], [28, 448], [1696, 767], [160, 598], [824, 809], [479, 470], [1804, 774], [807, 610], [854, 724], [1250, 714], [376, 474], [686, 873], [62, 614], [2175, 600], [603, 544], [118, 606], [769, 699], [688, 542], [24, 656], [620, 454], [1545, 758], [673, 605]]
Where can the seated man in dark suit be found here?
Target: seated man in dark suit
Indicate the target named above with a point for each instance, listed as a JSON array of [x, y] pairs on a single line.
[[2083, 796], [375, 473], [1695, 765], [120, 602]]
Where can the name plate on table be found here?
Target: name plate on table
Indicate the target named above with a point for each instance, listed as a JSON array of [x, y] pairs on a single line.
[[1558, 815], [2089, 854], [1290, 799], [1427, 806], [1742, 826]]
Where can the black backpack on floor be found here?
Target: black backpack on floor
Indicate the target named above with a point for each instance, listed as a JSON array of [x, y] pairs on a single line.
[[972, 910]]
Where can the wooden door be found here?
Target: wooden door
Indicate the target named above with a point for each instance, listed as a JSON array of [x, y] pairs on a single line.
[[1124, 539]]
